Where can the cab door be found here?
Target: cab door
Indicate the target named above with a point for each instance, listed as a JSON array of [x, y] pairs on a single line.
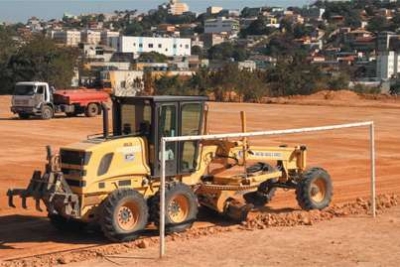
[[191, 124], [167, 127], [40, 95]]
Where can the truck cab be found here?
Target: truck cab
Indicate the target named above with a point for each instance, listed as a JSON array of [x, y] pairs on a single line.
[[31, 98]]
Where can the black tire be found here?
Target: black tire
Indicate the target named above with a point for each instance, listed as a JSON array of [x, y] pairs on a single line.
[[181, 208], [314, 191], [92, 110], [265, 191], [66, 225], [263, 195], [47, 113], [124, 215], [23, 116]]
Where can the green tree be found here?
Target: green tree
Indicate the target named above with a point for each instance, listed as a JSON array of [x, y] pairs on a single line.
[[152, 57], [169, 86], [339, 82], [200, 81], [226, 51], [293, 75], [41, 59], [377, 24], [257, 27], [197, 50], [134, 29], [282, 45], [8, 48]]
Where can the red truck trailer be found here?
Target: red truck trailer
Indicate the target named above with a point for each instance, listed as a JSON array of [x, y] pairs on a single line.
[[38, 99]]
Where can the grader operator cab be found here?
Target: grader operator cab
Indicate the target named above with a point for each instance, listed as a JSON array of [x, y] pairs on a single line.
[[113, 179]]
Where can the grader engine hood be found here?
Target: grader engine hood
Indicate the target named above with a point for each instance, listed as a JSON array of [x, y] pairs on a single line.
[[94, 164]]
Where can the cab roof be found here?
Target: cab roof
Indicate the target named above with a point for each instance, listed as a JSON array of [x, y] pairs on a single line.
[[165, 98]]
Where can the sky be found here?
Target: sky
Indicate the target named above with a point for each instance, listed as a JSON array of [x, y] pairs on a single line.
[[20, 10]]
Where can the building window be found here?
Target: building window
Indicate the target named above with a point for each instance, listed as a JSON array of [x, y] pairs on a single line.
[[159, 45], [150, 45], [187, 46], [134, 44], [174, 45], [140, 45]]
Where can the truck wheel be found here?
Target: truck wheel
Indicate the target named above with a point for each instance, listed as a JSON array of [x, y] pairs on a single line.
[[64, 224], [124, 215], [181, 207], [23, 116], [92, 110], [47, 113], [314, 191]]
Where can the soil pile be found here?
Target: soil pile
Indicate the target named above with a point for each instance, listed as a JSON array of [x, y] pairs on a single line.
[[360, 206], [341, 95]]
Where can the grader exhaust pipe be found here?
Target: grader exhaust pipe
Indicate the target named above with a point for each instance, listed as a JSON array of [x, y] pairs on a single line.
[[105, 120]]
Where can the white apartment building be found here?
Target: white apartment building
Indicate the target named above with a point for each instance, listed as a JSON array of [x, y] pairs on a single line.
[[137, 45], [69, 37], [91, 37], [214, 10], [176, 8], [221, 25], [106, 35], [388, 64]]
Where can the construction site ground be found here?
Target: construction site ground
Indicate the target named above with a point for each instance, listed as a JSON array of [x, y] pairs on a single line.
[[27, 239]]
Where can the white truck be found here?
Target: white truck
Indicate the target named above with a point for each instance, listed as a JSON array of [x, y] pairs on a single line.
[[38, 99]]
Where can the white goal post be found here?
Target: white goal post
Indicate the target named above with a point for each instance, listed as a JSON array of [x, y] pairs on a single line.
[[164, 140]]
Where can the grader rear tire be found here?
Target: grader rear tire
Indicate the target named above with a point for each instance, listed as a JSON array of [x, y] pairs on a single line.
[[124, 215], [181, 208], [314, 191]]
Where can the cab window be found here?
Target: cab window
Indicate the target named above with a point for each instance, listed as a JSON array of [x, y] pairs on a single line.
[[136, 119]]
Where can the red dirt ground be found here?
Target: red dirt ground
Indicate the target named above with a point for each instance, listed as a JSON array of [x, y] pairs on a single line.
[[344, 153], [355, 241]]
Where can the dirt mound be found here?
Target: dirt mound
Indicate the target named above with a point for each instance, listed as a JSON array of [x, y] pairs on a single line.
[[259, 220], [361, 206], [343, 95]]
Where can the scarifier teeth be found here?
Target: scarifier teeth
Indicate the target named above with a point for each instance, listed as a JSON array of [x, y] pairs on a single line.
[[24, 202], [10, 198], [38, 208]]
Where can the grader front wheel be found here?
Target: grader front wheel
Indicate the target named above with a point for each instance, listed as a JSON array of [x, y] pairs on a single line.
[[124, 215], [314, 191]]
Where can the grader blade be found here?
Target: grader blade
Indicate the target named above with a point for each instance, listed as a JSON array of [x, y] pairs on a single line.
[[238, 211]]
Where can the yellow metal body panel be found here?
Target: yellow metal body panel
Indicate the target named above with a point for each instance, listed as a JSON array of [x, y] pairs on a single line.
[[128, 168]]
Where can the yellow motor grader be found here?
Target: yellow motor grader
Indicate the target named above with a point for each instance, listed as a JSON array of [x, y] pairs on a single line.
[[113, 179]]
